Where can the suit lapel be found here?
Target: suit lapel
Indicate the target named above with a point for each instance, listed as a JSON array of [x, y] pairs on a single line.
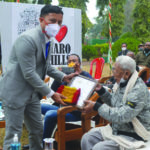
[[44, 52], [43, 41], [50, 50]]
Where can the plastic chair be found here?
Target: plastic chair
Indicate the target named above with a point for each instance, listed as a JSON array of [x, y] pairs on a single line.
[[99, 67]]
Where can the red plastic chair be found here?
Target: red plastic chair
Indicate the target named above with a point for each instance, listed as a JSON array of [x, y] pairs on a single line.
[[99, 67]]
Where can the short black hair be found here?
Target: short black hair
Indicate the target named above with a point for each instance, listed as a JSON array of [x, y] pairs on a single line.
[[79, 60], [50, 9], [140, 45]]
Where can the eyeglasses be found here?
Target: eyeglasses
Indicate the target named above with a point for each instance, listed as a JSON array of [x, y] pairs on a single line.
[[147, 44]]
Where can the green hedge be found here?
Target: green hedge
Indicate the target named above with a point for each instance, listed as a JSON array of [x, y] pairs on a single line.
[[102, 49], [98, 50], [89, 51], [132, 44], [94, 51]]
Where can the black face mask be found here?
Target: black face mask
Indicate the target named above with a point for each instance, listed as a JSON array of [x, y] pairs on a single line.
[[146, 50]]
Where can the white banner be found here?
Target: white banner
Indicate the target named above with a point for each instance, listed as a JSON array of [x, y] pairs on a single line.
[[18, 17]]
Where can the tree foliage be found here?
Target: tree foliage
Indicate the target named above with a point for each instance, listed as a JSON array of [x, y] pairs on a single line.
[[141, 26], [42, 1], [102, 4], [95, 31], [81, 4], [117, 14], [128, 12]]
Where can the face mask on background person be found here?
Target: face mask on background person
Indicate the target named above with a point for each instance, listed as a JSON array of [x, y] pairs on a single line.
[[146, 50], [52, 29], [124, 48], [140, 49]]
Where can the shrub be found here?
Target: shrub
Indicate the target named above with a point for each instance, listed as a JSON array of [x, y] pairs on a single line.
[[126, 35], [102, 49], [147, 39], [132, 44], [89, 51]]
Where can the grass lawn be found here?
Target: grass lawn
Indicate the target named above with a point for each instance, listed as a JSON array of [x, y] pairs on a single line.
[[24, 138]]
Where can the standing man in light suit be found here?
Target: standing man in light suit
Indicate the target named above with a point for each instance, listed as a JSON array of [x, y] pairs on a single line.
[[22, 85]]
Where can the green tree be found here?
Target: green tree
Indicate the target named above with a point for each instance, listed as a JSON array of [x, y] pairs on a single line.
[[117, 14], [128, 10], [42, 1], [95, 31], [81, 4], [47, 1], [141, 26]]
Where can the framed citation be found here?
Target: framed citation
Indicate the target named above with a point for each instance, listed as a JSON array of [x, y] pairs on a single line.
[[86, 85]]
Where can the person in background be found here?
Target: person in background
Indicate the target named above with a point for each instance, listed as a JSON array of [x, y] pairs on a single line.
[[75, 59], [143, 57], [22, 85], [128, 105], [50, 111], [124, 50], [141, 47], [131, 54]]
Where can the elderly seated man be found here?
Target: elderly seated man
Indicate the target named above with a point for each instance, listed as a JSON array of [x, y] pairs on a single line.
[[50, 111], [127, 108]]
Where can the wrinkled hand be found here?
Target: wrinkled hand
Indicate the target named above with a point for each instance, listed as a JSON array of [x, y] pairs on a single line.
[[68, 78], [57, 97], [88, 106], [98, 87]]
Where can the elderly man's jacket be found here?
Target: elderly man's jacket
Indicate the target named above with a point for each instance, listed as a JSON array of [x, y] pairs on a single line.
[[120, 114]]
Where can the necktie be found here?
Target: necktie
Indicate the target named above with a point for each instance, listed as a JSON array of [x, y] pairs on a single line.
[[47, 49]]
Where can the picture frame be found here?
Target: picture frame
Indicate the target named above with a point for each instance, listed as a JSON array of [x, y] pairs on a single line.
[[87, 86]]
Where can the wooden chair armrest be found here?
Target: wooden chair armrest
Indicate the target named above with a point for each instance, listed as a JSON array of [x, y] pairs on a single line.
[[89, 115], [103, 79], [61, 113], [64, 110], [47, 79], [2, 124], [94, 97], [144, 73], [86, 120]]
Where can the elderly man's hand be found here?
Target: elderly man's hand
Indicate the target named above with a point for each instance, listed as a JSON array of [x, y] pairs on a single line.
[[88, 106], [67, 78], [58, 98]]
